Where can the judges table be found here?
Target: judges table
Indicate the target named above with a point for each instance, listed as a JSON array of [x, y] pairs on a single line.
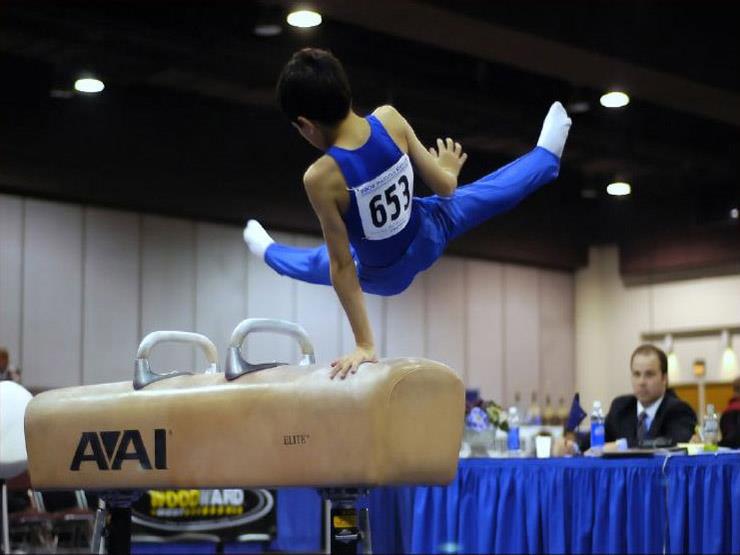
[[571, 505]]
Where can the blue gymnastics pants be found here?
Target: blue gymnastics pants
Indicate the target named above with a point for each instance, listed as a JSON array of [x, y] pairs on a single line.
[[442, 220]]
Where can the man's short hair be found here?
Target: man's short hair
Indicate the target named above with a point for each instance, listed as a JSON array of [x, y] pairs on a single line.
[[648, 349], [736, 385], [313, 84]]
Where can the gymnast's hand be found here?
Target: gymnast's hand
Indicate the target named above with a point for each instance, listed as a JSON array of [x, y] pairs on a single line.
[[449, 156], [350, 363]]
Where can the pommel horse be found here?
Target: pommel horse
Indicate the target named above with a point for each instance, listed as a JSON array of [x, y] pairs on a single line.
[[253, 425]]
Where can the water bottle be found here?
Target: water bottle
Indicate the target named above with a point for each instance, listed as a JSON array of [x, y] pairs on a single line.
[[710, 427], [597, 426], [534, 417], [512, 438]]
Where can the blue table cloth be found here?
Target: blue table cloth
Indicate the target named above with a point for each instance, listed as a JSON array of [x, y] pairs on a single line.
[[573, 505], [677, 504]]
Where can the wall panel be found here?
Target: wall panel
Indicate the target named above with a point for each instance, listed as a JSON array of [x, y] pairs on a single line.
[[168, 287], [697, 303], [405, 321], [318, 310], [556, 336], [111, 296], [11, 275], [446, 322], [375, 306], [52, 295], [485, 334], [221, 285], [270, 295], [521, 333]]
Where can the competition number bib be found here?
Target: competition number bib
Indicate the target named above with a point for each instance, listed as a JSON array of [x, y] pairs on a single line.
[[385, 202]]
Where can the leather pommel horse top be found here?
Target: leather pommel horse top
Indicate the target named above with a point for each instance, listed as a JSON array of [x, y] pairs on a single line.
[[398, 421]]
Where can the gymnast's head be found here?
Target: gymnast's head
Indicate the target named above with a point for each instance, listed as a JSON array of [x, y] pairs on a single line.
[[314, 93]]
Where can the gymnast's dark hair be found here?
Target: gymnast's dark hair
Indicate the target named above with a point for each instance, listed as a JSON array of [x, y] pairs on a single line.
[[313, 84]]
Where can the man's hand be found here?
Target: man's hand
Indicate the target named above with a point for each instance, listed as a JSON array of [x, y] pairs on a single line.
[[349, 364], [449, 156], [612, 447]]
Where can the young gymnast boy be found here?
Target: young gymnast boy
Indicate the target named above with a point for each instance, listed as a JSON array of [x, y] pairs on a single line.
[[377, 234]]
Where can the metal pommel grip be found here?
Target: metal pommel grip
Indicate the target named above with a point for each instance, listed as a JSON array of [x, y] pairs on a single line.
[[143, 373], [236, 365]]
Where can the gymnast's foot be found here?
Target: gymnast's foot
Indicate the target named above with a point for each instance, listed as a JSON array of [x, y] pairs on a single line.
[[256, 238], [555, 130]]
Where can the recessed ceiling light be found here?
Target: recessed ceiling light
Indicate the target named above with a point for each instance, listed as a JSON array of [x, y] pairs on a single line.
[[619, 189], [734, 213], [614, 99], [89, 85], [304, 18], [267, 30]]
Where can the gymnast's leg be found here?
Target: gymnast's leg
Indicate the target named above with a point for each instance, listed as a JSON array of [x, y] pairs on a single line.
[[503, 189], [309, 264], [470, 206]]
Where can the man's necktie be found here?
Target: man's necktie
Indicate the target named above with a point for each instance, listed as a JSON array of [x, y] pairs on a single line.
[[642, 429]]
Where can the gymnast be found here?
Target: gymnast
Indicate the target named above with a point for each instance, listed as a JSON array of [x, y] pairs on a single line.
[[377, 234]]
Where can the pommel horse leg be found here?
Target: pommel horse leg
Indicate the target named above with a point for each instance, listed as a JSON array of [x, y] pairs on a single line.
[[112, 526], [344, 528], [4, 510]]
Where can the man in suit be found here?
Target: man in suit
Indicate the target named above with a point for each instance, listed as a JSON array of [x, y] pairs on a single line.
[[651, 417]]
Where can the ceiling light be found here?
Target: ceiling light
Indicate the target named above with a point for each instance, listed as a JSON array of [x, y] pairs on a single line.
[[619, 188], [734, 213], [668, 343], [304, 18], [729, 365], [614, 99], [89, 85], [674, 366]]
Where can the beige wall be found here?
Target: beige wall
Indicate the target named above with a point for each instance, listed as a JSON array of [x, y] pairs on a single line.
[[81, 286], [610, 318]]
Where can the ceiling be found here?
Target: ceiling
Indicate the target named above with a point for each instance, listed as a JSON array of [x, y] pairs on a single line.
[[187, 124]]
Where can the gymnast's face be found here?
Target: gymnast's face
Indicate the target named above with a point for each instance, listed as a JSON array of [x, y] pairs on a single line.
[[648, 382]]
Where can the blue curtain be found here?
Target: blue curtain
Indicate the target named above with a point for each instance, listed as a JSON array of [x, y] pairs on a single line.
[[298, 520], [526, 506], [574, 505], [703, 504]]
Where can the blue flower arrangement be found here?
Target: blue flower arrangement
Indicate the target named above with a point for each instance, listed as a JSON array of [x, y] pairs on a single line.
[[483, 415]]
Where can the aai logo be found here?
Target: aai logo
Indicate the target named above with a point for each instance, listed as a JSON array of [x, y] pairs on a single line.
[[109, 449]]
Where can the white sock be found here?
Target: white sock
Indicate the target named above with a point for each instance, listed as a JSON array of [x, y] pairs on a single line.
[[555, 129], [256, 238]]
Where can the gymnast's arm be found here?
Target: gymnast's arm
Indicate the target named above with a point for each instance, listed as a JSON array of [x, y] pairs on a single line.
[[439, 168], [321, 187]]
